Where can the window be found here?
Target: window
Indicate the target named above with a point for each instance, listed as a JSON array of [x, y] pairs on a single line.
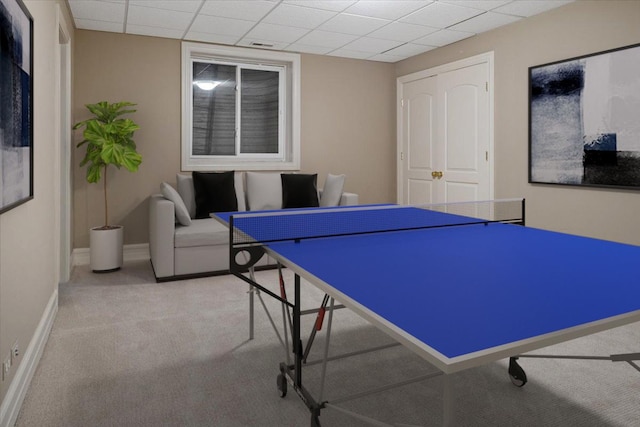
[[241, 109]]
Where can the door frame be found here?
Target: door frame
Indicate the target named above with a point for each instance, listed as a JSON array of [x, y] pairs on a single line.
[[488, 58], [63, 124]]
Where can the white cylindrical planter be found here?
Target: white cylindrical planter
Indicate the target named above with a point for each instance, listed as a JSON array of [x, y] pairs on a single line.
[[106, 248]]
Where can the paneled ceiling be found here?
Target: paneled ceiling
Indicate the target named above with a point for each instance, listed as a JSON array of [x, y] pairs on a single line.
[[376, 30]]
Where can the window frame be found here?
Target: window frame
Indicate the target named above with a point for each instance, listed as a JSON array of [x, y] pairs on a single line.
[[288, 157]]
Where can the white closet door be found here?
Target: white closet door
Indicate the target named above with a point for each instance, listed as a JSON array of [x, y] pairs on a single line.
[[462, 151], [444, 134], [419, 125]]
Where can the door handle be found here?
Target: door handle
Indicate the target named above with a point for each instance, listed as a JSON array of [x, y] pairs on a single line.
[[436, 174]]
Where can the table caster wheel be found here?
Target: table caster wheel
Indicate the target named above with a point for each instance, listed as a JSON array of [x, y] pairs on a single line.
[[282, 385], [516, 373]]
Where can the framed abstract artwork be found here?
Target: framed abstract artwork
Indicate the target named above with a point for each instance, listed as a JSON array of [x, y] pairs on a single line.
[[16, 104], [584, 120]]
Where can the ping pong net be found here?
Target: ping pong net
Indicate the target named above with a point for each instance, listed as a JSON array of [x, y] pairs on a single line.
[[251, 231]]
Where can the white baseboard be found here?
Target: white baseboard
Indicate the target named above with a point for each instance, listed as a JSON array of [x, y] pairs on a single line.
[[137, 252], [12, 402]]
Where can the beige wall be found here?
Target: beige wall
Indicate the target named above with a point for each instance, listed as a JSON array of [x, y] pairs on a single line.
[[348, 124], [29, 243], [144, 70], [576, 29], [347, 114]]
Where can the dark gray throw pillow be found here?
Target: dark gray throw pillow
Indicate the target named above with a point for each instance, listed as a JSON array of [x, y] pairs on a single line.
[[299, 190], [214, 192]]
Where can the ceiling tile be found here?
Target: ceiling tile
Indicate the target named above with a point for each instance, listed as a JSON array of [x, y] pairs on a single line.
[[221, 26], [276, 33], [443, 37], [305, 48], [368, 44], [303, 17], [211, 38], [478, 4], [97, 10], [333, 5], [154, 31], [409, 49], [353, 24], [350, 28], [160, 18], [485, 22], [346, 53], [529, 8], [393, 9], [178, 5], [248, 10], [326, 39], [401, 31], [89, 24], [441, 15]]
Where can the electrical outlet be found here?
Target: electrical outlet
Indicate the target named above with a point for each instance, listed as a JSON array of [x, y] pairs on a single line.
[[15, 352]]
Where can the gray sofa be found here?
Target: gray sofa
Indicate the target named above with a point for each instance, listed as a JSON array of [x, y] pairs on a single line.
[[183, 247]]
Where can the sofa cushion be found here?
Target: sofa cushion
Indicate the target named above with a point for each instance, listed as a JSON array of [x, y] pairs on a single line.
[[182, 214], [201, 232], [186, 191], [264, 191], [332, 190], [299, 190], [215, 192]]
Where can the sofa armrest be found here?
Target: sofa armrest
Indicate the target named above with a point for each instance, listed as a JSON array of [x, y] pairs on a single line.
[[348, 199], [162, 225]]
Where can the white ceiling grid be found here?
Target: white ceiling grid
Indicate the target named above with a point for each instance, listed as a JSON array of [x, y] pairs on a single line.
[[378, 30]]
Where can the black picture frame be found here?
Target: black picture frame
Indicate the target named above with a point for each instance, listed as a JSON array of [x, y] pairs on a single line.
[[16, 104], [584, 120]]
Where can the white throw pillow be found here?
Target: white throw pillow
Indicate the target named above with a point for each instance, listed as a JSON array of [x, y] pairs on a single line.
[[264, 191], [169, 193], [332, 191], [187, 192]]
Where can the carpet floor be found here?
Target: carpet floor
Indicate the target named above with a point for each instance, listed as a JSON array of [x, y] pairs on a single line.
[[127, 351]]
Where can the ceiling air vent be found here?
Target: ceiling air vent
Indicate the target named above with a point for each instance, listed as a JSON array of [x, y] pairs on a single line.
[[258, 44]]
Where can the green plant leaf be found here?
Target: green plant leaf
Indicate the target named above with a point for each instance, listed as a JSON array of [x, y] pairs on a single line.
[[93, 173], [96, 133], [112, 153], [100, 110], [131, 160], [127, 126]]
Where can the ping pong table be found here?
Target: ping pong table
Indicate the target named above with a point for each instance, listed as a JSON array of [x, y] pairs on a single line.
[[461, 285]]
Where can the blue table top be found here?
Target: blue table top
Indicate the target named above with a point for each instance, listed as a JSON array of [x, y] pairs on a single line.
[[469, 288]]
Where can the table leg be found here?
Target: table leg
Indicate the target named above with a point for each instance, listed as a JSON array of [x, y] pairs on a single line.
[[447, 401], [252, 290]]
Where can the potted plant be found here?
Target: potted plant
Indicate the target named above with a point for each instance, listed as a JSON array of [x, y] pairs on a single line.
[[108, 141]]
